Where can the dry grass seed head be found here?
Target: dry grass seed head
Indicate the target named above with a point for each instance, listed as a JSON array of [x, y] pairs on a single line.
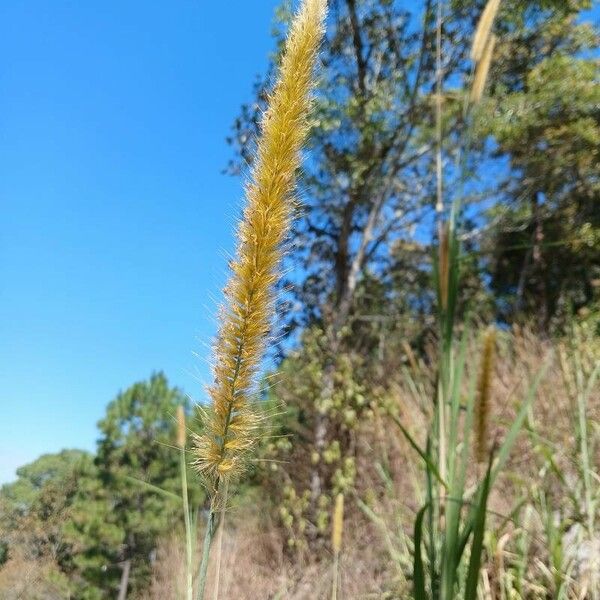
[[338, 524], [482, 70], [181, 433], [230, 425], [483, 29], [484, 386]]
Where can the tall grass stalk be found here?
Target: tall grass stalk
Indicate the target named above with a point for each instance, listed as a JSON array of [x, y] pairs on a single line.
[[584, 390], [230, 423], [210, 528], [187, 517], [336, 542], [451, 525], [219, 555], [583, 381]]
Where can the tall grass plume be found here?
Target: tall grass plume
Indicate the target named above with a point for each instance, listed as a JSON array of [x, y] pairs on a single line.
[[230, 423], [246, 317], [484, 386], [190, 541], [444, 266], [483, 29], [482, 70], [181, 433]]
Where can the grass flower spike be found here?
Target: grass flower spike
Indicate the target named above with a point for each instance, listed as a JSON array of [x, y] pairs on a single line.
[[482, 70], [246, 318], [338, 524], [181, 432], [230, 424], [484, 391], [483, 30]]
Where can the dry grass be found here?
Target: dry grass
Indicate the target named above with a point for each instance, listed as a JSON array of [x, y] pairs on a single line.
[[24, 578], [376, 552], [379, 516], [255, 565]]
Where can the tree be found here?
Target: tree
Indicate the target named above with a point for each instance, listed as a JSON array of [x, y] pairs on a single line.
[[35, 507], [544, 117], [33, 513], [120, 511]]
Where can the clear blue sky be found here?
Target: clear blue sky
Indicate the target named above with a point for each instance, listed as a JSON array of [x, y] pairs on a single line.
[[115, 216]]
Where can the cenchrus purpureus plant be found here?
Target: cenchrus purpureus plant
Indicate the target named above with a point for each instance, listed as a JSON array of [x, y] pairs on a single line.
[[230, 423], [449, 529]]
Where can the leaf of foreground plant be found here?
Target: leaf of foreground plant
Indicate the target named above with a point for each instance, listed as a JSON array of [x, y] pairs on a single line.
[[153, 488], [478, 533], [419, 451], [418, 571]]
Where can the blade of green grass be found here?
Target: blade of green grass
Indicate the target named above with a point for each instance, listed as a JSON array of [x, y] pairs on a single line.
[[153, 488], [472, 580], [420, 592], [430, 465]]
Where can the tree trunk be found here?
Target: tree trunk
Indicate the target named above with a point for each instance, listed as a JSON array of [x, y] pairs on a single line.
[[539, 265], [126, 566]]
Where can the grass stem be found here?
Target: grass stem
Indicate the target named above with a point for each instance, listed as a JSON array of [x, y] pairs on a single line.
[[221, 526], [211, 523], [189, 539]]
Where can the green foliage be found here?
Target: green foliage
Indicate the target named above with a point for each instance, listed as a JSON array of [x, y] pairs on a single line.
[[34, 507], [34, 479], [115, 517], [33, 511], [289, 456], [543, 117]]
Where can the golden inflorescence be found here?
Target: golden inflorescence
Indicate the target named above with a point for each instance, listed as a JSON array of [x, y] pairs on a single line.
[[482, 49], [338, 524], [181, 431], [444, 266], [483, 29], [484, 391], [230, 424], [482, 70]]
